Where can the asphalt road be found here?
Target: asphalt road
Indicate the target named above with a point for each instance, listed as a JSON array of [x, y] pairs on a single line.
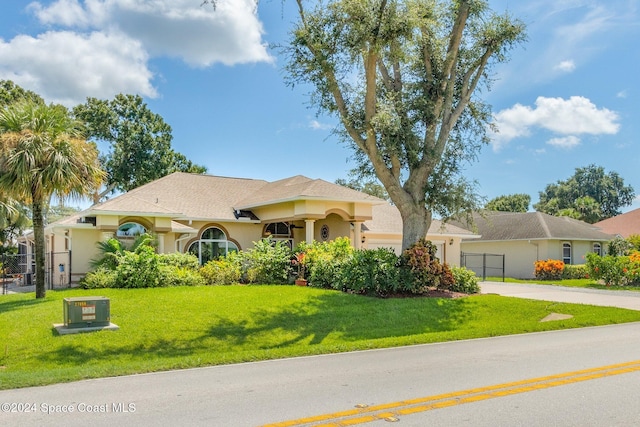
[[255, 394]]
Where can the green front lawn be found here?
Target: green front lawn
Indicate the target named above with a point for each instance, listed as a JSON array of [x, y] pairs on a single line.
[[184, 327]]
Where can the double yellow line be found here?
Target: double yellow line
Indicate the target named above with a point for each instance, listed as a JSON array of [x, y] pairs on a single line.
[[391, 411]]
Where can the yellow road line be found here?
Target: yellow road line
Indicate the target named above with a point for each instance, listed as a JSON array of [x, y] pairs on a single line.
[[394, 409]]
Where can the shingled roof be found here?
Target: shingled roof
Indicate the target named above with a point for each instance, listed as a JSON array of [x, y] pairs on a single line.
[[498, 226], [625, 224], [193, 196]]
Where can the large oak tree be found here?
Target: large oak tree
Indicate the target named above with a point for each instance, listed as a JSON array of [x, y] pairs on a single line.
[[403, 78]]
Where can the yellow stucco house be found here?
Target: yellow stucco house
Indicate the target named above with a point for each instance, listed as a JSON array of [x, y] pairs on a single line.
[[211, 215]]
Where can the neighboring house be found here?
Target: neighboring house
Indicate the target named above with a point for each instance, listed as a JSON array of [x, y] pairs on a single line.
[[209, 216], [524, 238], [623, 225]]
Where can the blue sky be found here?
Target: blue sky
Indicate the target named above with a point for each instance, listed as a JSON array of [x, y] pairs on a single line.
[[568, 97]]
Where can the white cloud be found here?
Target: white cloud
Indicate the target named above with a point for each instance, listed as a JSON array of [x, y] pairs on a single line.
[[102, 47], [316, 125], [622, 94], [574, 116], [186, 29], [567, 142], [66, 67], [566, 66]]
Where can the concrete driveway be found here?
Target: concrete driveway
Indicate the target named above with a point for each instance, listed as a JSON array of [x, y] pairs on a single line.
[[621, 299]]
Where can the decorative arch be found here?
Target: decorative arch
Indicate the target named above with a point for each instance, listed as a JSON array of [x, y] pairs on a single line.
[[148, 225], [340, 212]]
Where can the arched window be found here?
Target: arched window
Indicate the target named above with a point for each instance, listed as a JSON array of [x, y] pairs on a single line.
[[130, 229], [597, 248], [213, 244], [566, 253]]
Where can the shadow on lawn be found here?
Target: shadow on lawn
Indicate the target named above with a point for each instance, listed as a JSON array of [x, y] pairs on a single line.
[[351, 318], [6, 306], [347, 318]]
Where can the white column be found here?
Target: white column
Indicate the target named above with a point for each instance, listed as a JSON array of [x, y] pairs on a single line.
[[309, 229], [160, 237], [357, 234]]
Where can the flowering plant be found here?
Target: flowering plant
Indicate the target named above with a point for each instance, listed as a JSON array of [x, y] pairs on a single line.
[[298, 261], [550, 269]]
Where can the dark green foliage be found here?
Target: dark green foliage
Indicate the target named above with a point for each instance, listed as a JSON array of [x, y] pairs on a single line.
[[510, 203], [268, 262], [424, 268], [589, 195], [11, 93], [139, 269], [371, 272], [139, 141]]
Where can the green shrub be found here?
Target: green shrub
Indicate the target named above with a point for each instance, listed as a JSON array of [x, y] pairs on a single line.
[[223, 271], [100, 278], [612, 270], [139, 269], [619, 247], [324, 261], [372, 272], [177, 259], [575, 271], [179, 276], [465, 280], [422, 269], [268, 262], [634, 241]]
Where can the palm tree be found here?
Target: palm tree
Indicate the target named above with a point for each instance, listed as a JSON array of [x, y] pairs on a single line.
[[44, 153]]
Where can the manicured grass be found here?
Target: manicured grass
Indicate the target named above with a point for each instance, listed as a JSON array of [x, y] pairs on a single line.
[[573, 283], [184, 327]]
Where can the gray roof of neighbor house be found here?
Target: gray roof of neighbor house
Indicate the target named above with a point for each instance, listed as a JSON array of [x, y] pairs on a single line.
[[499, 226], [625, 224], [192, 196], [387, 220]]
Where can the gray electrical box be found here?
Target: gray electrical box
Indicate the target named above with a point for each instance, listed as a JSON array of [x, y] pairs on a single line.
[[86, 312]]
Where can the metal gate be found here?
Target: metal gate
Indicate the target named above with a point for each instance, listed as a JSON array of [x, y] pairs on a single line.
[[483, 264], [19, 270]]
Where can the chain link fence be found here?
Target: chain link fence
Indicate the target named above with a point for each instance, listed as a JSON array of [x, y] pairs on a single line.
[[19, 270]]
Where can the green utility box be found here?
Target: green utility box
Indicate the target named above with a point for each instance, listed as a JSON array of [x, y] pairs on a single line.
[[86, 312]]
